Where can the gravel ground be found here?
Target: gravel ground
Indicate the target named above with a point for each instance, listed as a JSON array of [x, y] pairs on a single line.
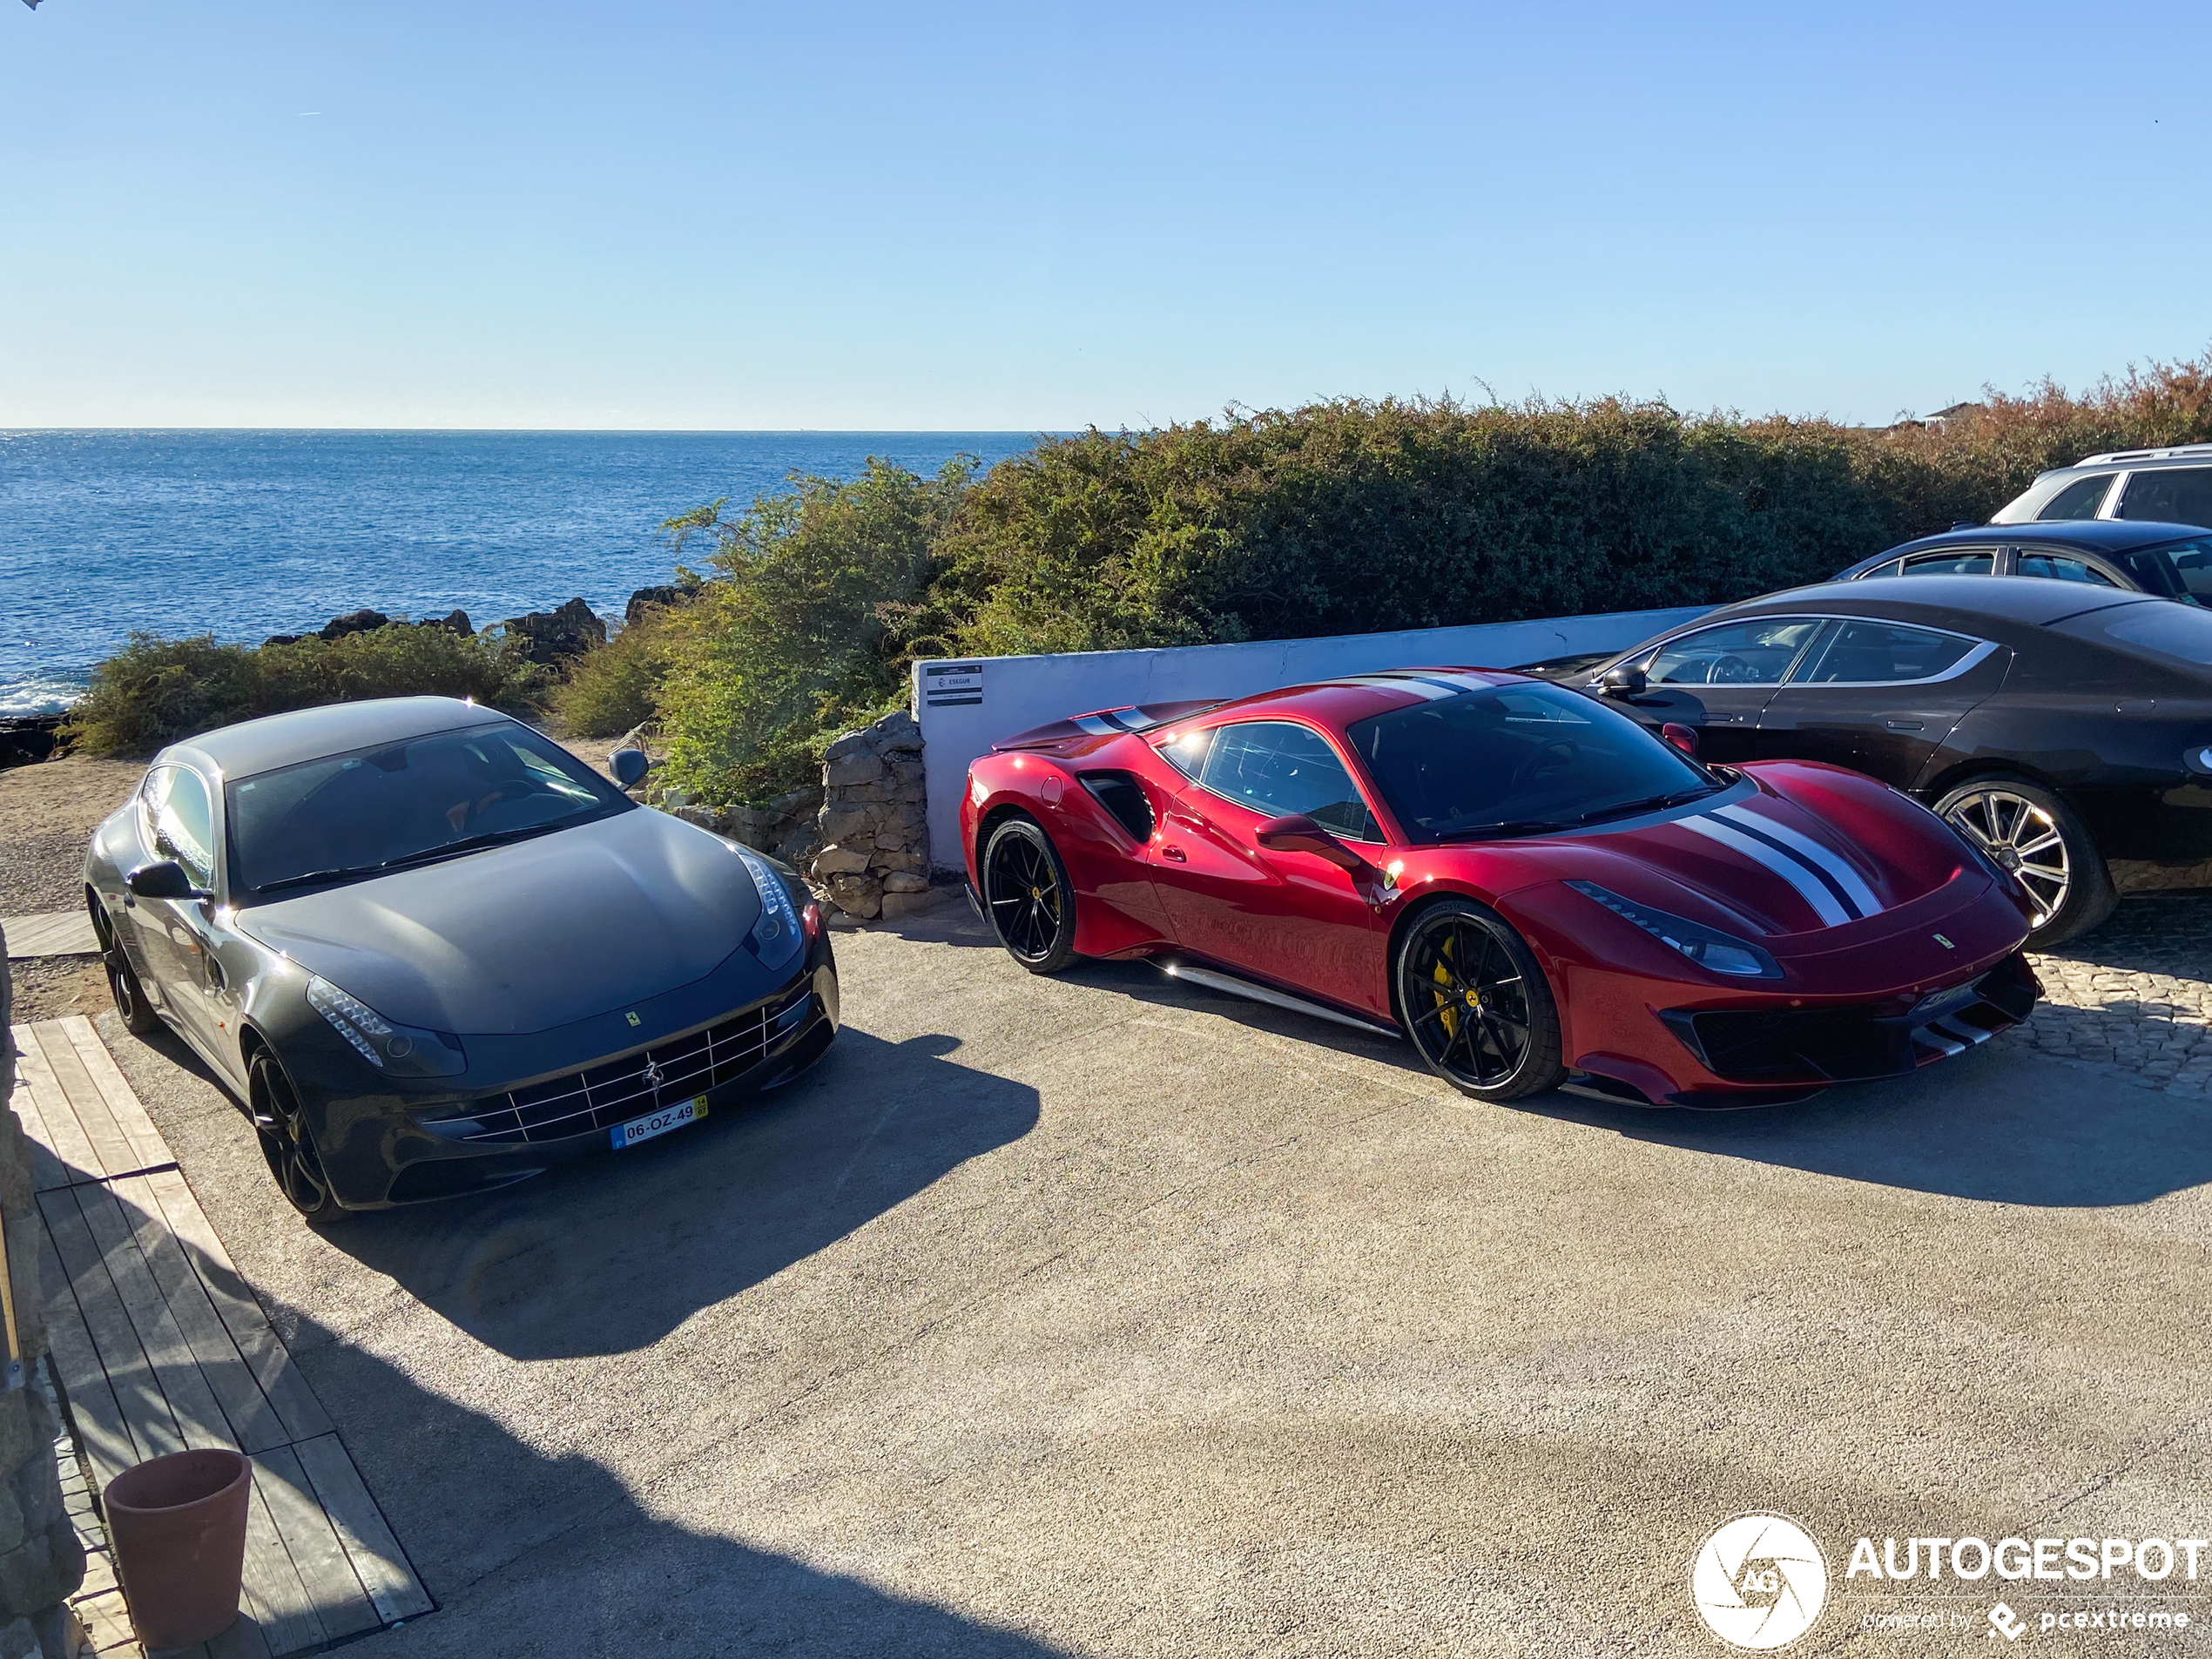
[[41, 873], [57, 985], [2134, 998]]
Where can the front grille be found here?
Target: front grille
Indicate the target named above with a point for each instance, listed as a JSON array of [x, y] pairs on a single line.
[[616, 1090], [1852, 1044]]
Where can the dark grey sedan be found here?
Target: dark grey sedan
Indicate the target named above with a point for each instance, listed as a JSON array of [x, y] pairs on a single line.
[[432, 953]]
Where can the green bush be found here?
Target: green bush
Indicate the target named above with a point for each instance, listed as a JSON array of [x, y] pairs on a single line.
[[617, 687], [805, 630], [156, 690]]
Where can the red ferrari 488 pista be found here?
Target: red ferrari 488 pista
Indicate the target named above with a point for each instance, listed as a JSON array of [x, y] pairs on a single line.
[[1529, 886]]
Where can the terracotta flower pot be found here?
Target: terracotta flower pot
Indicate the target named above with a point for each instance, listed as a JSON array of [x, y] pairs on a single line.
[[179, 1527]]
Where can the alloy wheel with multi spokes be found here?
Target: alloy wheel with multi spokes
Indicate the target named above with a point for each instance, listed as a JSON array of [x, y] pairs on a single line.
[[1027, 895], [138, 1016], [289, 1144], [1475, 1003], [2028, 831]]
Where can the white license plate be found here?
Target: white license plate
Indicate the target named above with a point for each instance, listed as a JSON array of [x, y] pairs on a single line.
[[659, 1122]]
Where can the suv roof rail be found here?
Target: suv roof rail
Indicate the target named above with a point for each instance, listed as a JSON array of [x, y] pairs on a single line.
[[2175, 453]]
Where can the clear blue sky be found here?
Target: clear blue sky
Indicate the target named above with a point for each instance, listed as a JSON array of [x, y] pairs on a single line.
[[1044, 215]]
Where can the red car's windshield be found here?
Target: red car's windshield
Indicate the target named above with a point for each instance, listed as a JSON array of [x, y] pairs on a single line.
[[1517, 760]]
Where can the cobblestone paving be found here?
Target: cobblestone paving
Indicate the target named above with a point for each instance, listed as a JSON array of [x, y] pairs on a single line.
[[2133, 998]]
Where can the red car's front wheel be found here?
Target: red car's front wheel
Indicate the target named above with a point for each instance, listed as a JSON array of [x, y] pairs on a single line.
[[1476, 1004]]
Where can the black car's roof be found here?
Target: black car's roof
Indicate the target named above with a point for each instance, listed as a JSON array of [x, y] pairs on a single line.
[[2094, 534], [282, 739], [2035, 601]]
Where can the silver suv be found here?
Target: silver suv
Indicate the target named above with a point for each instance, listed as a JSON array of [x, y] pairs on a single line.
[[2173, 485]]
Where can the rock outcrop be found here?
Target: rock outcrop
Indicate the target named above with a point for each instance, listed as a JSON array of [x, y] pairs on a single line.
[[874, 826], [550, 637], [366, 621], [665, 598]]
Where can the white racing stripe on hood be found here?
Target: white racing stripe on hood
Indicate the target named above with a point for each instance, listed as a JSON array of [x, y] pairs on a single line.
[[1810, 887], [1855, 891]]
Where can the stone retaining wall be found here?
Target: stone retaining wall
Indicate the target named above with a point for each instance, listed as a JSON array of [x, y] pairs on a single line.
[[41, 1561], [874, 857]]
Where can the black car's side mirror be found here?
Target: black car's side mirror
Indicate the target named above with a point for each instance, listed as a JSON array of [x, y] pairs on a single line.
[[1298, 833], [1627, 680], [629, 766], [164, 880]]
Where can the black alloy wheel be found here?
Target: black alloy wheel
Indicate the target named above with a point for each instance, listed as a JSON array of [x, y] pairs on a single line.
[[2030, 831], [1476, 1004], [1028, 897], [138, 1015], [289, 1145]]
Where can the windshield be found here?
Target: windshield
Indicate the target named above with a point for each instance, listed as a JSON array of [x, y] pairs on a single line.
[[359, 814], [1518, 759]]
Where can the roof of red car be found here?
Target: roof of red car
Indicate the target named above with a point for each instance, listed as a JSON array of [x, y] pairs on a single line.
[[1337, 702]]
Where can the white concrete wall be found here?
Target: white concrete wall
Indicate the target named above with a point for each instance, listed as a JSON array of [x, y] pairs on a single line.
[[968, 704]]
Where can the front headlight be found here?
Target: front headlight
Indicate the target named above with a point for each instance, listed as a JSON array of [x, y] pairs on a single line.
[[402, 1050], [775, 938], [1712, 949]]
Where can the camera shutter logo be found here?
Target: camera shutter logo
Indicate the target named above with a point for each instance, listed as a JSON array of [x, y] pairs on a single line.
[[1759, 1582]]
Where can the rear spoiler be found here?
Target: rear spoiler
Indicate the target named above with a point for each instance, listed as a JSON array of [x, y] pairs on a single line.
[[1104, 723]]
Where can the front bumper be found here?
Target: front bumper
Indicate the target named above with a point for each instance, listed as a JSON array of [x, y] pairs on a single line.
[[477, 1132]]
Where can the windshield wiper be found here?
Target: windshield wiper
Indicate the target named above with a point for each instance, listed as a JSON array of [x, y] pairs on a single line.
[[319, 875], [1649, 804], [468, 844], [351, 872], [1512, 826]]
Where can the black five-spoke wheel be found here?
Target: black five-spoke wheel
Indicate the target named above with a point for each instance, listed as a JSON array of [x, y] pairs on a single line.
[[1475, 1003], [1027, 896], [288, 1145]]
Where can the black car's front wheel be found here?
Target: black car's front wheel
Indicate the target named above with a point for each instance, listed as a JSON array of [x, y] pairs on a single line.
[[289, 1144], [137, 1014], [1028, 897], [2031, 831], [1476, 1002]]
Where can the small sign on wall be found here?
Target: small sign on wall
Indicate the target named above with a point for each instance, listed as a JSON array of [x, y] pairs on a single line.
[[944, 684]]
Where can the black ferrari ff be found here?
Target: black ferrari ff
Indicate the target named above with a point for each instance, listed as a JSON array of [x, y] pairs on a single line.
[[2062, 726], [431, 952]]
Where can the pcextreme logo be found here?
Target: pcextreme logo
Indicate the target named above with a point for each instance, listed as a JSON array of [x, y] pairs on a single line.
[[1759, 1581]]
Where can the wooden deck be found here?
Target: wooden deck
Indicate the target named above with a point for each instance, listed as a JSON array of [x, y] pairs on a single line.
[[159, 1344], [65, 932]]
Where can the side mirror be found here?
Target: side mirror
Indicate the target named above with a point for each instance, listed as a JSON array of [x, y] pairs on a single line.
[[1298, 833], [166, 880], [1684, 738], [629, 766], [1627, 680]]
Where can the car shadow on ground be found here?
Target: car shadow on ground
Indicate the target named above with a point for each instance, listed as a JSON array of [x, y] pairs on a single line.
[[638, 1241], [531, 1552], [1999, 1124]]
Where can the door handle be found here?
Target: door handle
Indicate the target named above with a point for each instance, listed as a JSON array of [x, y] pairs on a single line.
[[1173, 854], [1905, 726]]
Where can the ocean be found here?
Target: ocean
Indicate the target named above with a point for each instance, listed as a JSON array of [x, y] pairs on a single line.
[[242, 534]]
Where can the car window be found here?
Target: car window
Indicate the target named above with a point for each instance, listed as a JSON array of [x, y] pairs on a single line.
[[1517, 760], [1186, 753], [2179, 568], [1737, 653], [180, 821], [2176, 495], [1275, 767], [354, 812], [1866, 653], [2079, 499], [1880, 570], [2157, 628], [2060, 568], [1958, 561]]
